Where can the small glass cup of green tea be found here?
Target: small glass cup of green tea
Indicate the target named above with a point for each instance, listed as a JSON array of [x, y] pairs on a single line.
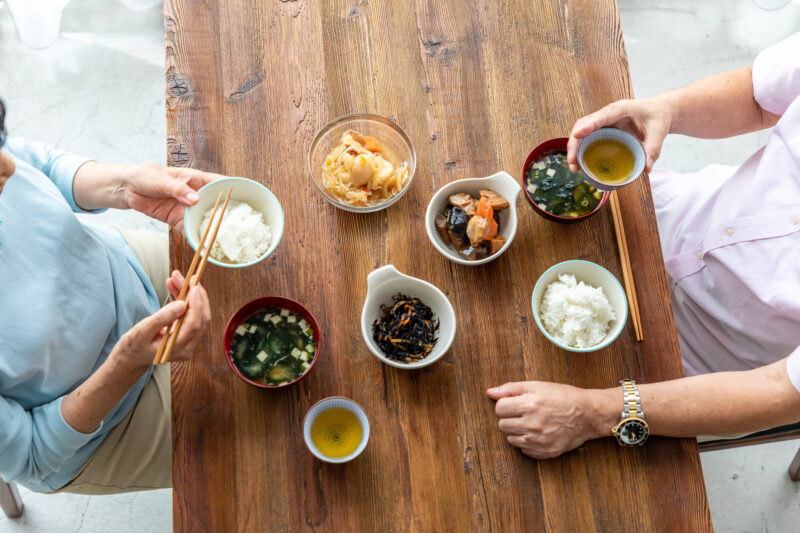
[[610, 158], [554, 191], [271, 342]]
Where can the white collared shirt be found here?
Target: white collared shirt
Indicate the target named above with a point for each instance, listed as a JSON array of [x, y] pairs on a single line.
[[731, 239]]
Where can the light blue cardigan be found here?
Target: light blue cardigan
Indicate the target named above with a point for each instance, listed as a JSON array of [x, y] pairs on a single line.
[[68, 291]]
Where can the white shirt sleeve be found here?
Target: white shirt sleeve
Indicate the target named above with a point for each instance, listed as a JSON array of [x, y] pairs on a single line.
[[776, 75], [793, 368]]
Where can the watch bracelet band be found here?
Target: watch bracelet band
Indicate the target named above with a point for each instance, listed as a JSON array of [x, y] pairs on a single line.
[[631, 399]]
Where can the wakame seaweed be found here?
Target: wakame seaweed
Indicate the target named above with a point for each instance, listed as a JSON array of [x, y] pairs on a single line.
[[558, 190]]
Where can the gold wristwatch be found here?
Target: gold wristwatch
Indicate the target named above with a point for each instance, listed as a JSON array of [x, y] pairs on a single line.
[[632, 430]]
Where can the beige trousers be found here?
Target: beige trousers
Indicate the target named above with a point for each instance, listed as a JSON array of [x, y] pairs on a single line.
[[137, 453]]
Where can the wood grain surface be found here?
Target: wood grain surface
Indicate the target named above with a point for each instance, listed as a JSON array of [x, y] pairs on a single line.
[[476, 85]]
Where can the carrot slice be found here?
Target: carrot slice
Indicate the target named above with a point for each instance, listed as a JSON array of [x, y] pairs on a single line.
[[485, 208], [492, 231], [371, 144]]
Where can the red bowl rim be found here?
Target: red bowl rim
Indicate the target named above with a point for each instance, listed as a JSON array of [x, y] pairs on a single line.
[[247, 310], [557, 144]]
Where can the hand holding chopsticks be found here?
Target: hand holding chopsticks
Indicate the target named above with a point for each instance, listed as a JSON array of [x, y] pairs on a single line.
[[201, 256]]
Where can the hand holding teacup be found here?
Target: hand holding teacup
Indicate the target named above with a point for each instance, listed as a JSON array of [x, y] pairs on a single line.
[[648, 121]]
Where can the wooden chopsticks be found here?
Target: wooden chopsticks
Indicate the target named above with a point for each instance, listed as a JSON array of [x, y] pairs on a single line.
[[625, 262], [203, 250]]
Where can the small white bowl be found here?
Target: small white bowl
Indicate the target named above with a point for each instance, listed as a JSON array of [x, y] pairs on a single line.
[[385, 282], [330, 403], [625, 138], [244, 190], [501, 183], [591, 274]]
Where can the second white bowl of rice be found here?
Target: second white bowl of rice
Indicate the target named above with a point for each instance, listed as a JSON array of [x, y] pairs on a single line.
[[579, 306], [252, 226]]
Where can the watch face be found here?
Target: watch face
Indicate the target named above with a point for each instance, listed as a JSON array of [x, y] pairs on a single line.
[[632, 432]]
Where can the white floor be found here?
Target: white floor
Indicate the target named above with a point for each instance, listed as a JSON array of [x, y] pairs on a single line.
[[99, 91]]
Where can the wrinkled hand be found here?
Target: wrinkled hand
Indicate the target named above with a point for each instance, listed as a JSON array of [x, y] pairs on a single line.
[[164, 193], [648, 119], [544, 419], [137, 348]]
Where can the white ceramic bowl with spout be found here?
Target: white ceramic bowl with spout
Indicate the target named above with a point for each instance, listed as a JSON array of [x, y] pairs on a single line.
[[385, 282], [501, 183]]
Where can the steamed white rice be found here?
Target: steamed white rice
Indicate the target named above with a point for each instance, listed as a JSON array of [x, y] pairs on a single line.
[[574, 313], [243, 236]]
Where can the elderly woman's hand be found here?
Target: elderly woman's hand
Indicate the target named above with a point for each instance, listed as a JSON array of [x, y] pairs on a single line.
[[648, 119], [137, 348], [159, 192], [163, 193], [545, 419]]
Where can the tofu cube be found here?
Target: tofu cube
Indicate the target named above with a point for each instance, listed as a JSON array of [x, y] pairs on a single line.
[[262, 356], [268, 317], [291, 319], [551, 172], [303, 324], [284, 312], [296, 353], [253, 328], [275, 319], [241, 330]]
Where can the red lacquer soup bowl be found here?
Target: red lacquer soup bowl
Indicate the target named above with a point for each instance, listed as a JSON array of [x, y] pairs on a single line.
[[265, 302]]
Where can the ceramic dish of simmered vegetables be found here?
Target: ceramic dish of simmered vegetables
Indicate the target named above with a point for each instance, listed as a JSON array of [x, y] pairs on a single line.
[[554, 190], [272, 342]]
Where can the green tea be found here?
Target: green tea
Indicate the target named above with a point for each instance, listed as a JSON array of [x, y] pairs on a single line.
[[336, 432], [609, 161]]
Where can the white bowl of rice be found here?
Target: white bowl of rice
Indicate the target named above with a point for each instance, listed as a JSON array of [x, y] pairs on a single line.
[[251, 228], [579, 306]]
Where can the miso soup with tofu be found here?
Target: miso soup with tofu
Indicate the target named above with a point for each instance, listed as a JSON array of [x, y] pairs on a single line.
[[273, 346], [554, 188]]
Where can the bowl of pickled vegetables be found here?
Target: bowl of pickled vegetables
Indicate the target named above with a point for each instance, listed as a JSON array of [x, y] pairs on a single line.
[[271, 342], [362, 162], [553, 190]]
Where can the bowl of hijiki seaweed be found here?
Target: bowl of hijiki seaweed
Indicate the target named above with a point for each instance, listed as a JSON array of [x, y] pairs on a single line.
[[553, 190], [271, 342]]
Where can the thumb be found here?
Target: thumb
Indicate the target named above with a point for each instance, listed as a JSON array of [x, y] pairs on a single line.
[[515, 388], [653, 141], [150, 326]]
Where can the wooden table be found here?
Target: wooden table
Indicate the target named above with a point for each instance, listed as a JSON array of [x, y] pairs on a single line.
[[476, 85]]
